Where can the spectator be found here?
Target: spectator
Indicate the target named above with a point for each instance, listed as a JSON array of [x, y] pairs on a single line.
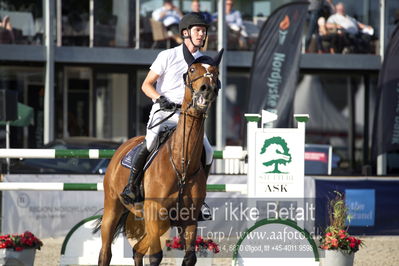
[[233, 17], [314, 12], [355, 36], [317, 8], [169, 15], [196, 7], [236, 27], [330, 40], [6, 31]]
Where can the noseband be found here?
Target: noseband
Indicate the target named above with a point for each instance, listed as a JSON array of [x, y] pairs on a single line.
[[190, 83]]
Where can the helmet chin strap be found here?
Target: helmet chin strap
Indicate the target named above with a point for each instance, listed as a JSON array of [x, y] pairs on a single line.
[[191, 40]]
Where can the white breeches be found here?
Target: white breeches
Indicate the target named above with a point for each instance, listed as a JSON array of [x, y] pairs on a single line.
[[152, 133]]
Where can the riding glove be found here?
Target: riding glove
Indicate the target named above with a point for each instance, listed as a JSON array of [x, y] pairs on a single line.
[[165, 104]]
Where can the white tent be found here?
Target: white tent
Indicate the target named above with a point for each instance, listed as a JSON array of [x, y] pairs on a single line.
[[311, 99]]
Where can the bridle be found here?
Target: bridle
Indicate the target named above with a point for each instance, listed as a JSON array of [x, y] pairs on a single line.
[[185, 161]]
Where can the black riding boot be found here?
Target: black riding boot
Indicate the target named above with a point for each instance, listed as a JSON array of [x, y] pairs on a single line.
[[132, 193], [207, 215]]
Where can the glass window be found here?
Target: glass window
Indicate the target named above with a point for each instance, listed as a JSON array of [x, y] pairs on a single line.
[[74, 106], [143, 104], [29, 83], [21, 22], [114, 23], [111, 106], [75, 23], [334, 35]]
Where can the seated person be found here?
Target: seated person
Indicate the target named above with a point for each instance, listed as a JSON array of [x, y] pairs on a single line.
[[170, 17], [236, 27], [196, 7], [6, 31], [331, 39], [352, 33]]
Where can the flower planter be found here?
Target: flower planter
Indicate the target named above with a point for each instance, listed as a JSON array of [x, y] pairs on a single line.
[[337, 258], [25, 257]]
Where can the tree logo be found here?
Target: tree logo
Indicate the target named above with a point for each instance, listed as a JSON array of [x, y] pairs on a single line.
[[276, 152]]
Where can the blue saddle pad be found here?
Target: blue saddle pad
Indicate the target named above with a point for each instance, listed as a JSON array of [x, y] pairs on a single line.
[[127, 160]]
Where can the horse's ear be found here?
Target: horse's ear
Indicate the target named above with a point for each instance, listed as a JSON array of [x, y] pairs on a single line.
[[188, 57], [218, 57]]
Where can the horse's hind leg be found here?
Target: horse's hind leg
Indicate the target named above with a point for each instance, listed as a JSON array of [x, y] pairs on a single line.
[[113, 210]]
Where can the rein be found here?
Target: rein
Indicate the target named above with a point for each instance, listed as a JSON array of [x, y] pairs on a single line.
[[173, 111], [185, 160]]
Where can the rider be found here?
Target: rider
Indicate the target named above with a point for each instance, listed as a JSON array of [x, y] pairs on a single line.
[[167, 72]]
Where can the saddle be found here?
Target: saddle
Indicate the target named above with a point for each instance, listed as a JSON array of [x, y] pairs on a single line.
[[162, 138]]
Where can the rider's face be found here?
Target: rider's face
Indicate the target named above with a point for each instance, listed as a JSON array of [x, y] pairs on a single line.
[[198, 34]]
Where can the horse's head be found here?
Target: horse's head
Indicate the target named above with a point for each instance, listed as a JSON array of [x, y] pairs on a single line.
[[202, 82]]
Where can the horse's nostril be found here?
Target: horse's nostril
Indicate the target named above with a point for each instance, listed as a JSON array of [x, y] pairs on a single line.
[[204, 87]]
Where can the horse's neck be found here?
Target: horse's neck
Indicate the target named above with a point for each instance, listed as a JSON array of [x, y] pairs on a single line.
[[187, 142]]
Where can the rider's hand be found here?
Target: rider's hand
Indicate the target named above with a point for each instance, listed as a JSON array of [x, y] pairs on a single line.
[[165, 104]]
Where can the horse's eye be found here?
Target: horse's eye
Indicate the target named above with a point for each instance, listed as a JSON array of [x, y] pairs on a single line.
[[192, 70]]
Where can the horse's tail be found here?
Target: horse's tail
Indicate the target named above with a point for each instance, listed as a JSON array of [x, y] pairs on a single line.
[[120, 226], [97, 226]]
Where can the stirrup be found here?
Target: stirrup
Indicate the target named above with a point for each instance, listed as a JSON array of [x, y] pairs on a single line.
[[205, 215], [130, 197]]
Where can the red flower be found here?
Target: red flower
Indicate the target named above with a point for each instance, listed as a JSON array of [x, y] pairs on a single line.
[[200, 244], [20, 242], [334, 243]]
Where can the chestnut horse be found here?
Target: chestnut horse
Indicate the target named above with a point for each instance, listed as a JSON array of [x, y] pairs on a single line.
[[175, 179]]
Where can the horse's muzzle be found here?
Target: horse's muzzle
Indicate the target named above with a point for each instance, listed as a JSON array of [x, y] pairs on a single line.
[[203, 99]]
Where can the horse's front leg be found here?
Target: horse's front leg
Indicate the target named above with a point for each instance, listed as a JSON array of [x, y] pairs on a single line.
[[155, 225], [190, 235]]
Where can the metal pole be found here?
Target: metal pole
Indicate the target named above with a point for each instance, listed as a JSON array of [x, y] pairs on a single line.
[[382, 28], [59, 22], [366, 124], [91, 23], [220, 105], [48, 134], [8, 144], [352, 120], [137, 37], [382, 158], [366, 108]]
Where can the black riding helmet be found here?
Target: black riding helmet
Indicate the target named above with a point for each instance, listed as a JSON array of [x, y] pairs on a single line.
[[190, 20]]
